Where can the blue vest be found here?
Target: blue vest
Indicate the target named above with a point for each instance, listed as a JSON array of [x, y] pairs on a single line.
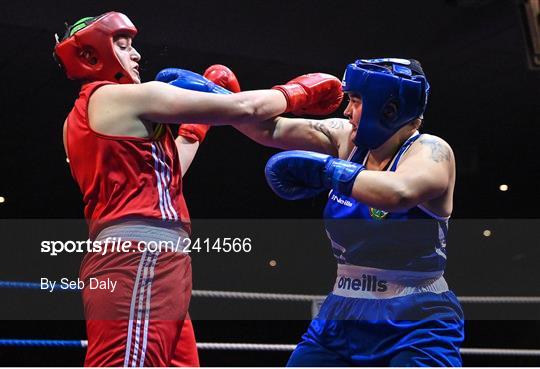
[[412, 240]]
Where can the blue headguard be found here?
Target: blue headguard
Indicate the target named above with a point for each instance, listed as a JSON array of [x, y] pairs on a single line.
[[394, 92]]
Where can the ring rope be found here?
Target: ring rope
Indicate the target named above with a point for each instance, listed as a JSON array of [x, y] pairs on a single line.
[[500, 352], [290, 297], [244, 346], [500, 299], [256, 295], [43, 343], [31, 286], [309, 298], [248, 347]]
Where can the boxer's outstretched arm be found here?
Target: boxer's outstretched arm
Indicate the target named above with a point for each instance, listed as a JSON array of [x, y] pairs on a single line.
[[324, 136], [161, 102]]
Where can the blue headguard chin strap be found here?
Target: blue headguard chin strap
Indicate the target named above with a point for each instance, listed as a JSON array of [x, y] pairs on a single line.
[[391, 97]]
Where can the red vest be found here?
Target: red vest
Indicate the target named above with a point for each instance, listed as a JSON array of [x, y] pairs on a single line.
[[123, 177]]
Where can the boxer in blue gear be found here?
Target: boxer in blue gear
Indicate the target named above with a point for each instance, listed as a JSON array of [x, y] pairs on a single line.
[[391, 194]]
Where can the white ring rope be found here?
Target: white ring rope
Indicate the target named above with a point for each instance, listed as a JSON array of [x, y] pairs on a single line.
[[310, 298], [244, 346], [281, 347], [285, 347], [292, 297], [499, 352], [255, 295], [500, 299]]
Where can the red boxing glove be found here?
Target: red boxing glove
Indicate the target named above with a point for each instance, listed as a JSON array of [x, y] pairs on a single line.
[[222, 76], [195, 132], [313, 94]]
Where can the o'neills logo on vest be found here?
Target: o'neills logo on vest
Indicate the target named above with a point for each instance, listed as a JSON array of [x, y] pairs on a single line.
[[340, 201], [366, 283]]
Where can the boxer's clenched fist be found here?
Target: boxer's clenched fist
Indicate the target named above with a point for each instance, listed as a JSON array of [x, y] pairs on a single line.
[[189, 80], [222, 76], [314, 94], [298, 174]]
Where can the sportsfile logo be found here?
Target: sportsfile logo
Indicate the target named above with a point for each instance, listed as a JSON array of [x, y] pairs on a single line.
[[366, 283]]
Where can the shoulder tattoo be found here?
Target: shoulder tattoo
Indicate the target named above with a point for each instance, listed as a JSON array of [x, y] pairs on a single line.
[[439, 151]]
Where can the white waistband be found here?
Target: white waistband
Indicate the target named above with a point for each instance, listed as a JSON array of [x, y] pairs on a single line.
[[142, 232], [372, 283]]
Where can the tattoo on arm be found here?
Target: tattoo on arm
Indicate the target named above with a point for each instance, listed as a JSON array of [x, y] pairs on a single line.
[[335, 123], [439, 152], [321, 127], [324, 126]]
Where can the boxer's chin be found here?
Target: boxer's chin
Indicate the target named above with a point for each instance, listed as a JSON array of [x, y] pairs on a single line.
[[135, 76], [353, 134]]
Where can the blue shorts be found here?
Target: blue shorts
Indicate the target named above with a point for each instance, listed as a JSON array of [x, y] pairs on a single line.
[[423, 329]]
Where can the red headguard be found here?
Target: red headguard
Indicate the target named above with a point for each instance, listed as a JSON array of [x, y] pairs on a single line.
[[95, 35]]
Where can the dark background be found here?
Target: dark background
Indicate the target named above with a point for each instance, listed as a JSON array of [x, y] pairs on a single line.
[[484, 102]]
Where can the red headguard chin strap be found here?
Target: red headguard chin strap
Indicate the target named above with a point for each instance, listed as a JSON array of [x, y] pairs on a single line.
[[97, 37]]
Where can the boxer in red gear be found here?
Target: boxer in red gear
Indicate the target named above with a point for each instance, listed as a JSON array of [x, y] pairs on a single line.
[[126, 163]]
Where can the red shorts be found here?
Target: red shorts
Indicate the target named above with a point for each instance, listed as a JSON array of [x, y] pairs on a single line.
[[142, 319]]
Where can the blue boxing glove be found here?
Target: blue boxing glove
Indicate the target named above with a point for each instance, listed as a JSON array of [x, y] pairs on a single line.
[[295, 175], [189, 80]]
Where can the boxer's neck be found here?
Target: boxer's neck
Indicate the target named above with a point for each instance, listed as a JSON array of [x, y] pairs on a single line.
[[380, 156]]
